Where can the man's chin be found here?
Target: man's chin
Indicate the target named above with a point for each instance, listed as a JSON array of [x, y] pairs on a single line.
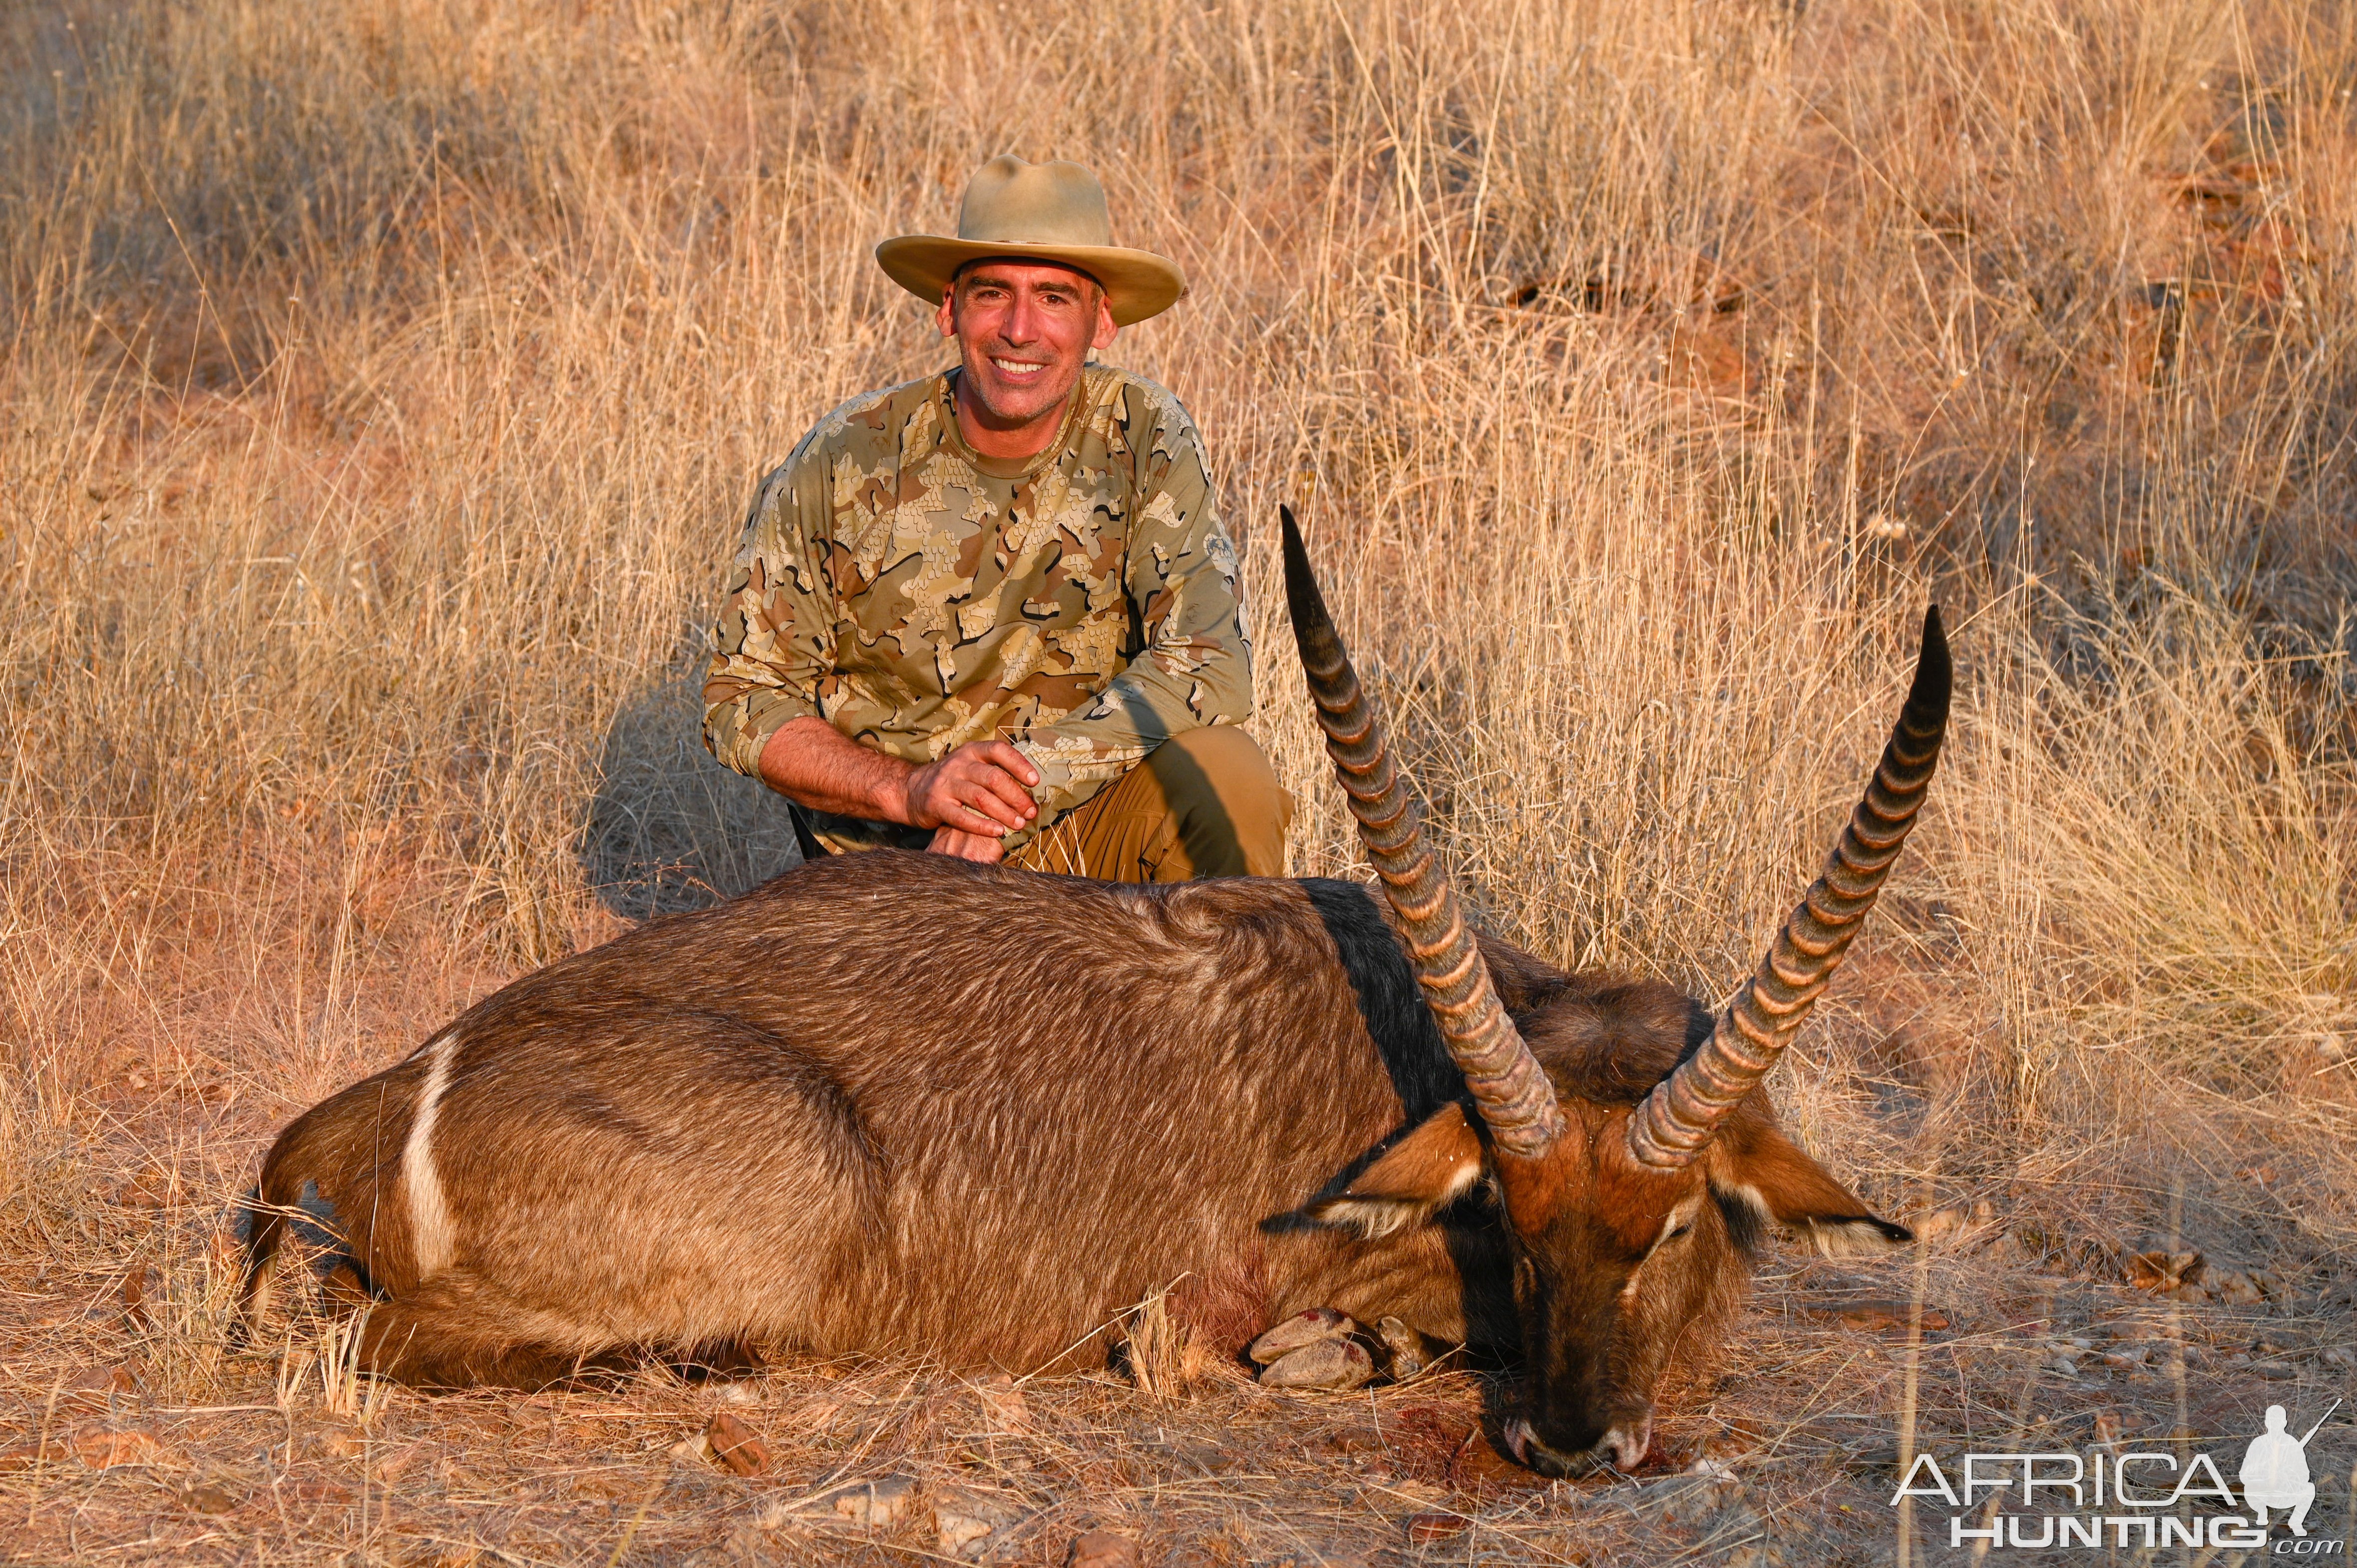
[[1005, 406]]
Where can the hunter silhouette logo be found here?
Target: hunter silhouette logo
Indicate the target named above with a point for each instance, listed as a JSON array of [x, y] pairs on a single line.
[[2275, 1471], [2145, 1498]]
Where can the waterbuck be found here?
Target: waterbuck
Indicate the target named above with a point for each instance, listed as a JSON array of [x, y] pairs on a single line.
[[902, 1102]]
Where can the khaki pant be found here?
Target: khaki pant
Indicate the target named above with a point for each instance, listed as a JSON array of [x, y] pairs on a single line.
[[1203, 803]]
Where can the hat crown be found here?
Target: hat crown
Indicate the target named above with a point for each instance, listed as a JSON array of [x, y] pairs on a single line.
[[1048, 212], [1011, 202]]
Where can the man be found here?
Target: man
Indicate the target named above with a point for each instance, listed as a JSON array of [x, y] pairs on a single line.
[[992, 613]]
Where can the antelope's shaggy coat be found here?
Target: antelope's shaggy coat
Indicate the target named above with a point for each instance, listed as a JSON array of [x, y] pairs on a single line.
[[811, 1120]]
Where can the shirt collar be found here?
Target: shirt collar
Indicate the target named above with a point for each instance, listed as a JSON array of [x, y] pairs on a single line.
[[944, 395]]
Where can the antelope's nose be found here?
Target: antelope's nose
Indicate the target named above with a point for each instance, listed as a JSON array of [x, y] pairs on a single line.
[[1624, 1446]]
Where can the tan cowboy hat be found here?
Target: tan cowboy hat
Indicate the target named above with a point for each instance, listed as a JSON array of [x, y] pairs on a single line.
[[1048, 212]]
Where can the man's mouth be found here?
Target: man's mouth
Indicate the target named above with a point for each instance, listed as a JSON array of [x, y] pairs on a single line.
[[1016, 370]]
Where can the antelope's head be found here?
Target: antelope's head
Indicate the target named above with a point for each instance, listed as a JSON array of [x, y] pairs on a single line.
[[1631, 1208]]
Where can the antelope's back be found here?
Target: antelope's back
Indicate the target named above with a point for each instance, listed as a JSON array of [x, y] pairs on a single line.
[[933, 1104]]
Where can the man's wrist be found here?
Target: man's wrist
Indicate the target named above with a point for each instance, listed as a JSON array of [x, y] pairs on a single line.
[[818, 766], [903, 790]]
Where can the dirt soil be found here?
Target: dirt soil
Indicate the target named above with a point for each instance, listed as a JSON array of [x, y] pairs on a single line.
[[132, 1435]]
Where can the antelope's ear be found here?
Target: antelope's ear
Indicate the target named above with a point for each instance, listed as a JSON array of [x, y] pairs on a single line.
[[1425, 1171], [1761, 1178]]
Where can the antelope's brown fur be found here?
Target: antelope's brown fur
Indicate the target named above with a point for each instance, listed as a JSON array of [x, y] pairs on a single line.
[[899, 1102]]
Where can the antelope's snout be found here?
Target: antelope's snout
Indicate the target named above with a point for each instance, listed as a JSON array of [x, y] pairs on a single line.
[[1621, 1447]]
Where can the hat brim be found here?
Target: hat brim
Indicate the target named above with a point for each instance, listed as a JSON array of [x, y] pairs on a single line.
[[1137, 284]]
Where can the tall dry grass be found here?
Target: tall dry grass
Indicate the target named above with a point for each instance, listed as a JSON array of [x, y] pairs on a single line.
[[384, 383]]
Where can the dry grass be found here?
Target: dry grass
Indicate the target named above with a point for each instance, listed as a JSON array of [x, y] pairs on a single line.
[[383, 383]]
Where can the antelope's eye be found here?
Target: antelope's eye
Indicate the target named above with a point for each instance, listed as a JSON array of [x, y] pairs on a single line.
[[1685, 1230]]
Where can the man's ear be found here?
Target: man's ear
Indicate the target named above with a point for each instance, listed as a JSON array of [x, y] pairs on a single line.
[[946, 316], [1427, 1170], [1761, 1177], [1106, 330]]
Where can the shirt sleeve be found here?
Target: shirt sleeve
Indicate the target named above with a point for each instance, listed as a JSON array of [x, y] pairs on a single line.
[[776, 635], [1194, 667]]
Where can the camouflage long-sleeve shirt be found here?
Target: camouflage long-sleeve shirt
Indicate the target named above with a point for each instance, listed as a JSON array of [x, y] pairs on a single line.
[[1082, 604]]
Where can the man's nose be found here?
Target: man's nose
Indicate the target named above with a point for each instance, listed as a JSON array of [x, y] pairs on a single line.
[[1021, 323]]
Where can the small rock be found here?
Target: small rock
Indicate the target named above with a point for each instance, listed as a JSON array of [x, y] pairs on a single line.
[[954, 1531], [1941, 1224], [874, 1504], [2162, 1272], [813, 1415], [2062, 1365], [151, 1190], [1331, 1364], [208, 1496], [1003, 1404], [607, 1484], [390, 1469], [736, 1446], [2274, 1371], [1101, 1549], [2127, 1358], [1407, 1353], [104, 1448], [740, 1392], [1314, 1326], [134, 1297], [1429, 1527], [2340, 1356], [695, 1450], [965, 1519], [2235, 1288], [97, 1387]]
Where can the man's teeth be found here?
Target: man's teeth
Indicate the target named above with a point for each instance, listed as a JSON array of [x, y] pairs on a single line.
[[1016, 367]]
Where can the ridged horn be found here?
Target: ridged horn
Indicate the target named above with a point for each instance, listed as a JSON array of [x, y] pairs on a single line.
[[1677, 1120], [1508, 1085]]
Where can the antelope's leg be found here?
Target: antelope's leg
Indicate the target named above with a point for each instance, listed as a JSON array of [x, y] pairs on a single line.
[[457, 1330]]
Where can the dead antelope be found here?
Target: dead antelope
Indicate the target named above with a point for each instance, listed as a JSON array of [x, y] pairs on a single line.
[[900, 1102]]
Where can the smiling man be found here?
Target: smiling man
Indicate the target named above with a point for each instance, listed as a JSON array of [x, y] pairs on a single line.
[[993, 613]]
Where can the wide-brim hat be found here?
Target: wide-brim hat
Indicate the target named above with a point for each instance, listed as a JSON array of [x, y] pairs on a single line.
[[1040, 212]]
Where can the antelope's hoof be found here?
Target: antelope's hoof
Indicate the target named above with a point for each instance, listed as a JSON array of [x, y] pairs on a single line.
[[1334, 1365], [1408, 1352], [1314, 1326]]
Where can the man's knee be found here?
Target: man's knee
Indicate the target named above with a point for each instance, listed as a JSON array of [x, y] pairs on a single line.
[[1232, 812], [1219, 768]]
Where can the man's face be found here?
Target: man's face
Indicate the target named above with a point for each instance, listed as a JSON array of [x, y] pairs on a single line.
[[1024, 330]]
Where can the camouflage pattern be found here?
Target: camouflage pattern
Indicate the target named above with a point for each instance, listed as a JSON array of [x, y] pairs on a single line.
[[1083, 604]]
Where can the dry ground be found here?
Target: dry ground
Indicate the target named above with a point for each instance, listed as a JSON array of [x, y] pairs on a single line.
[[381, 386]]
